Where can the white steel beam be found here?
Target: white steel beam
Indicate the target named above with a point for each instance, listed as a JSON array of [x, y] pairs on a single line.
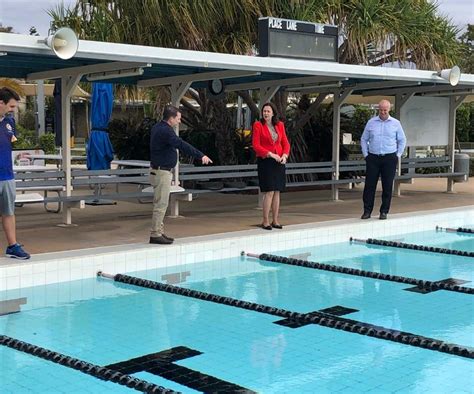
[[339, 97], [280, 82], [207, 76], [420, 89], [92, 68], [68, 84], [177, 90]]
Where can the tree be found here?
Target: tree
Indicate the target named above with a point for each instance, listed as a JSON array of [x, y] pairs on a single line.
[[6, 29], [467, 42]]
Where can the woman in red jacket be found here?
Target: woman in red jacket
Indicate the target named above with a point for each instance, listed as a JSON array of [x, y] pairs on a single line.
[[271, 145]]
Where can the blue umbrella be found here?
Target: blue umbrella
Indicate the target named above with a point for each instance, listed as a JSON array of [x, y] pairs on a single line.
[[99, 148]]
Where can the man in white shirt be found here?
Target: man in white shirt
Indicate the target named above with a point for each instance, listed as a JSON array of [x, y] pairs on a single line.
[[383, 142]]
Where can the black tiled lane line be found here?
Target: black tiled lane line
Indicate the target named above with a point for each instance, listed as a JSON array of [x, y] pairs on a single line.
[[425, 290], [97, 371], [162, 364], [319, 318], [422, 284], [334, 310]]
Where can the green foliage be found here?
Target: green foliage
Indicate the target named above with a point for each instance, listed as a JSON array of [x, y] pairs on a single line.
[[26, 139], [203, 140], [131, 138], [467, 42], [358, 120], [27, 119], [47, 143]]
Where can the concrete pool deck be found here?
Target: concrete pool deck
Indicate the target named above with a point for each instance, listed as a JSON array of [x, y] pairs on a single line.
[[213, 213]]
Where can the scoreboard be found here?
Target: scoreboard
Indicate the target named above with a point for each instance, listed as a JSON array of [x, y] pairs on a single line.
[[302, 40]]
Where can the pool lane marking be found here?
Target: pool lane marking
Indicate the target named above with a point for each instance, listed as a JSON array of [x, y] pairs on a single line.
[[445, 284], [163, 364], [97, 371], [420, 248], [319, 318], [336, 310]]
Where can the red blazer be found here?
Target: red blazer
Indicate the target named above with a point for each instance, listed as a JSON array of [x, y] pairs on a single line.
[[262, 141]]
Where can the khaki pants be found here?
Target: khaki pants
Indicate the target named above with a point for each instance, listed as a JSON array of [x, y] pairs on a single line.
[[161, 182]]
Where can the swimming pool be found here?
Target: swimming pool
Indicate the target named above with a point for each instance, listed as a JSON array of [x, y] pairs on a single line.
[[191, 345]]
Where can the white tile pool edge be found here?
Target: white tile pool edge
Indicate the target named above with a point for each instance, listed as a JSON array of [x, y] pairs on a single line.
[[58, 267]]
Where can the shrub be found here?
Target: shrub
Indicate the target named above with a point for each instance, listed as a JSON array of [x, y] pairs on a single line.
[[47, 143]]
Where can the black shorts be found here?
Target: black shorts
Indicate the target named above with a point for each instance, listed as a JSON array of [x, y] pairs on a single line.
[[271, 175]]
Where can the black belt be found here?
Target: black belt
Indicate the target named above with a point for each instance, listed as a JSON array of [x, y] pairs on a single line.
[[161, 168], [382, 154]]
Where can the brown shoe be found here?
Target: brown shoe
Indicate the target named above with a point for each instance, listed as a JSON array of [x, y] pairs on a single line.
[[160, 240]]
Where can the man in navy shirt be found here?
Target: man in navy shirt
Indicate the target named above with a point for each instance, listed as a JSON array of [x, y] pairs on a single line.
[[8, 102], [383, 142], [163, 155]]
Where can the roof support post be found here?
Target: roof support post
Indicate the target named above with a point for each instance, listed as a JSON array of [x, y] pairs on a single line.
[[400, 100], [68, 84], [339, 97], [454, 103], [266, 94], [177, 91], [40, 118]]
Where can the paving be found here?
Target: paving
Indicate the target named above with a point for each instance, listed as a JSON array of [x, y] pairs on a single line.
[[212, 213]]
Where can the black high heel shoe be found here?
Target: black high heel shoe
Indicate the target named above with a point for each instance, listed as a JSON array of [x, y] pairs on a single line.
[[279, 226], [266, 227]]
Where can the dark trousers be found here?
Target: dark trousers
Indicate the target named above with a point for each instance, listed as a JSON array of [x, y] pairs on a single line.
[[383, 167]]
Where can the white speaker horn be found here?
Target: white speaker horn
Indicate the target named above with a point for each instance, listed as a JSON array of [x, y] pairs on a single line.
[[64, 43], [451, 74]]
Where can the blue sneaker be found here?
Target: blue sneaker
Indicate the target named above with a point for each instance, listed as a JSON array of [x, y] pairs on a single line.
[[17, 252]]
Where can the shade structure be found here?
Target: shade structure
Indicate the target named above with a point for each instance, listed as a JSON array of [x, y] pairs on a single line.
[[99, 148]]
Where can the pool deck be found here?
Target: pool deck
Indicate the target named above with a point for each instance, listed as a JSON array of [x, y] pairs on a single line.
[[128, 222]]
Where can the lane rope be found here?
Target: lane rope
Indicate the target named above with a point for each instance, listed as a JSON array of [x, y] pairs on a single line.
[[422, 284], [97, 371], [319, 318], [455, 230], [402, 245]]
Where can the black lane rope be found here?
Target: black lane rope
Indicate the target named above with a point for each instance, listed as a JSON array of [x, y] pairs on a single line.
[[456, 230], [423, 248], [423, 284], [319, 318], [97, 371]]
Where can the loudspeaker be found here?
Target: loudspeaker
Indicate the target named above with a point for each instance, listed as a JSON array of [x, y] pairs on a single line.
[[63, 42], [451, 74]]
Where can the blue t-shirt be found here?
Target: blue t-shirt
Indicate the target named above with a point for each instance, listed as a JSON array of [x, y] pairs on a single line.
[[7, 131]]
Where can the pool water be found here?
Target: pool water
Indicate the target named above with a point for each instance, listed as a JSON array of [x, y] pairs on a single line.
[[104, 322]]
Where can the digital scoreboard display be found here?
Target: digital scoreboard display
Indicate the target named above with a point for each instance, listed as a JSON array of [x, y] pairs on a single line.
[[302, 40]]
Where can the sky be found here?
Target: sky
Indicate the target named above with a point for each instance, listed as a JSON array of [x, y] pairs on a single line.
[[22, 14]]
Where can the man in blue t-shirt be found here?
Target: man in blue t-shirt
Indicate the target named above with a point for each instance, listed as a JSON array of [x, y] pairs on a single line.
[[8, 102]]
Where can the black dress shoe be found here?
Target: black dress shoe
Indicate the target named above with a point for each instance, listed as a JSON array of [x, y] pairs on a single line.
[[165, 236], [266, 227], [383, 216], [279, 226], [365, 215], [160, 240]]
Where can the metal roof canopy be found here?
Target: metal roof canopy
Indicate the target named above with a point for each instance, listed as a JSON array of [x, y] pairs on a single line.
[[23, 56]]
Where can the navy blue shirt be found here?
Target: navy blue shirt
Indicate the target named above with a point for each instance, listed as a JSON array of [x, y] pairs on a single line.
[[7, 131], [163, 145]]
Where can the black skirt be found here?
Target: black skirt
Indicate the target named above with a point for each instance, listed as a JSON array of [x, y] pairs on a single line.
[[271, 175]]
